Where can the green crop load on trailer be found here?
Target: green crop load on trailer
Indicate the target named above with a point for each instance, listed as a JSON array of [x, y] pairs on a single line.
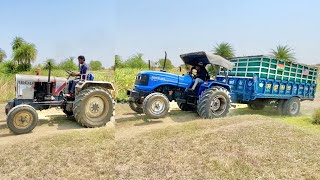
[[270, 68]]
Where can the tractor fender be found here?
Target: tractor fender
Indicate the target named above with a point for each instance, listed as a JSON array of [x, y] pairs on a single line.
[[215, 83], [85, 84]]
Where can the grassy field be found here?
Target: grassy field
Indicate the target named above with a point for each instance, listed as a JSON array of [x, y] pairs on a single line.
[[7, 81], [87, 154]]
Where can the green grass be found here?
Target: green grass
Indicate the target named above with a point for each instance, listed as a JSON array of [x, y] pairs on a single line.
[[7, 81], [303, 122]]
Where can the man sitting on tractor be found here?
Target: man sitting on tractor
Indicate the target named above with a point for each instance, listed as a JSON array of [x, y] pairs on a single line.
[[80, 76], [202, 75]]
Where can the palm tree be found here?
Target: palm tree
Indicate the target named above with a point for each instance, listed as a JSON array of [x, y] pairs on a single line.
[[224, 50], [17, 42], [283, 53], [25, 53], [3, 55]]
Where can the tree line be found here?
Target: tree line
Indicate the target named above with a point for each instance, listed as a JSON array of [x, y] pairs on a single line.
[[25, 53], [223, 49]]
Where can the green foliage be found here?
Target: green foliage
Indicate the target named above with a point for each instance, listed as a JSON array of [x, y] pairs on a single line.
[[169, 64], [316, 116], [3, 55], [68, 64], [96, 65], [118, 62], [136, 61], [10, 67], [25, 54], [23, 67], [17, 42], [52, 62], [224, 50], [283, 53]]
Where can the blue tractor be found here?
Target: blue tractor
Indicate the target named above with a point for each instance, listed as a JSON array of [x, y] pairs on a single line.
[[153, 90]]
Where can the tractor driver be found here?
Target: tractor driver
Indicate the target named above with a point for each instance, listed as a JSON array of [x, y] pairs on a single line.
[[80, 76], [202, 75]]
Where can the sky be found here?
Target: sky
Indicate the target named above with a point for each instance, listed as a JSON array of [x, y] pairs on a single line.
[[99, 29], [252, 27], [61, 28]]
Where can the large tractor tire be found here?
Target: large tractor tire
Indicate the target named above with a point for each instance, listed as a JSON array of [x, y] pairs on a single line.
[[256, 105], [214, 102], [22, 119], [156, 105], [93, 107], [135, 106], [8, 107], [186, 107], [291, 106]]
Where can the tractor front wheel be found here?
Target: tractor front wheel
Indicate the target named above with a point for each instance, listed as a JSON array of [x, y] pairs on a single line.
[[22, 119], [214, 102], [93, 107], [156, 105]]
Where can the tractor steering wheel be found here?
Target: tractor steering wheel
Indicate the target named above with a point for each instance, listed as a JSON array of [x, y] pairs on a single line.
[[70, 73]]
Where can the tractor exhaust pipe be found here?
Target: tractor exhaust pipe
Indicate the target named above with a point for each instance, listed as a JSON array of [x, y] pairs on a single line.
[[48, 96], [165, 60]]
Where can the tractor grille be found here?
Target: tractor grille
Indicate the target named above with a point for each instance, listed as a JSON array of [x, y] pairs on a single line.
[[142, 79]]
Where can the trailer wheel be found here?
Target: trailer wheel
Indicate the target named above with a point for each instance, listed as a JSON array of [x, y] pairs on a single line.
[[214, 102], [22, 119], [156, 105], [93, 107], [255, 105], [135, 106], [292, 106]]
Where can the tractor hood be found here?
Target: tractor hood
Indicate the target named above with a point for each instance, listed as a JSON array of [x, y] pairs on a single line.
[[149, 80], [195, 58], [34, 78]]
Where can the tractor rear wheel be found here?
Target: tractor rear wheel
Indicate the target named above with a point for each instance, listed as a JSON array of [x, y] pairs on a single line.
[[22, 119], [291, 106], [214, 102], [93, 107], [156, 105], [135, 106]]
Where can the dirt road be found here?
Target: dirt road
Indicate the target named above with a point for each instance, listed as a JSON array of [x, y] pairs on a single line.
[[128, 123]]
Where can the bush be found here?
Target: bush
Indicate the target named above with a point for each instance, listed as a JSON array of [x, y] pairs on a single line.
[[10, 67], [68, 64], [169, 64], [23, 67], [316, 116], [95, 65]]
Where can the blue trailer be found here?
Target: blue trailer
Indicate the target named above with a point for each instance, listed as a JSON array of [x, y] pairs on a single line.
[[260, 80]]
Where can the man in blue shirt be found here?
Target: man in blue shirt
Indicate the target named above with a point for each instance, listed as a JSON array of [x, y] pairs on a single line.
[[80, 76]]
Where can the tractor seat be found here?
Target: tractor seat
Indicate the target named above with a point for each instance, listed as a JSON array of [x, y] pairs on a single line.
[[90, 77]]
